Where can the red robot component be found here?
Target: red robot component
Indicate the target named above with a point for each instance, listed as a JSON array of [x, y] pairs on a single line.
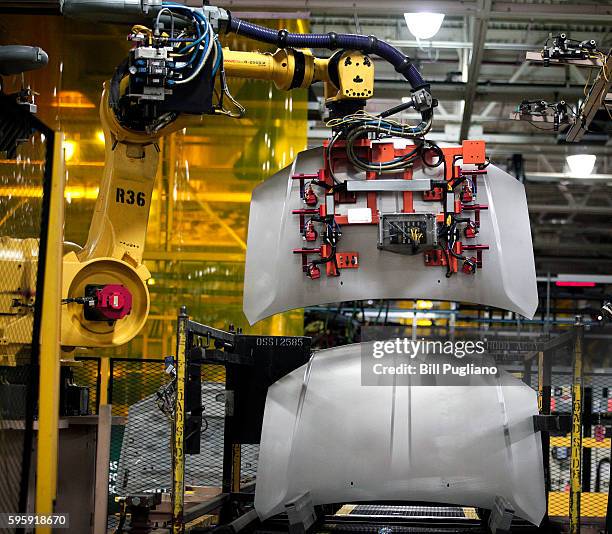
[[469, 265], [435, 195], [347, 260], [476, 209], [109, 302], [466, 193], [435, 233], [435, 258], [471, 230], [310, 234], [313, 272], [310, 198], [479, 249]]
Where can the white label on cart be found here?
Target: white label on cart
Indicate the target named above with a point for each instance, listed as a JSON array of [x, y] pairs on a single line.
[[359, 215]]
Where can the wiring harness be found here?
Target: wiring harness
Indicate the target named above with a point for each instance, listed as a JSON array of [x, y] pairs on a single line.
[[174, 66], [191, 50], [363, 125], [172, 69], [421, 97]]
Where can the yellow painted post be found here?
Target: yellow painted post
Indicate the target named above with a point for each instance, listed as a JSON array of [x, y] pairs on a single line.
[[540, 380], [278, 325], [178, 453], [576, 434], [48, 404], [544, 405]]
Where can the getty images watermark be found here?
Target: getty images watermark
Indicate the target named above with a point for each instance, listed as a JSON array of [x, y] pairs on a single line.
[[389, 358]]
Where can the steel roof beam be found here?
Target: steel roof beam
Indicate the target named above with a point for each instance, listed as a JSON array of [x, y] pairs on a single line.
[[546, 142], [565, 247], [481, 22], [566, 208], [349, 7], [593, 179], [464, 45], [600, 12], [500, 92], [575, 12], [556, 261]]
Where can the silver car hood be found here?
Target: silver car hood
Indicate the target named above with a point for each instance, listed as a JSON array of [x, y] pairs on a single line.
[[325, 433], [274, 281]]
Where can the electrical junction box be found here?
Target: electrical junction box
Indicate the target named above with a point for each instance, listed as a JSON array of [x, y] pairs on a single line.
[[407, 233]]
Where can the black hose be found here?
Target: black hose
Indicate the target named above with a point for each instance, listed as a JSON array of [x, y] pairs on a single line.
[[332, 41]]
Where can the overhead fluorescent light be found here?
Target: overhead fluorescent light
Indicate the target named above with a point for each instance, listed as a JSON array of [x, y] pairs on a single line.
[[424, 25], [581, 165]]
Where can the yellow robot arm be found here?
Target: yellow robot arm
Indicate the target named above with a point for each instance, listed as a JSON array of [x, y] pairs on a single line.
[[112, 256], [166, 78]]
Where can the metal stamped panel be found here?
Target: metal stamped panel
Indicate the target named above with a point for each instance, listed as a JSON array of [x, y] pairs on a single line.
[[274, 281], [327, 434]]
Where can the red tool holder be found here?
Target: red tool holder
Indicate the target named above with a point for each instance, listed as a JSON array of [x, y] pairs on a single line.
[[320, 218]]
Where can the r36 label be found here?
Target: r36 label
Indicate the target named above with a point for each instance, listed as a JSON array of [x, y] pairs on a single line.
[[128, 196]]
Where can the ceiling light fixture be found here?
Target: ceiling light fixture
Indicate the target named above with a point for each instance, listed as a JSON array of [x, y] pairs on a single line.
[[581, 165], [424, 25]]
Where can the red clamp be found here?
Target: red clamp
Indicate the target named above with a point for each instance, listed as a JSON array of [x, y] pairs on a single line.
[[476, 209], [437, 193], [313, 272], [310, 233], [466, 193], [435, 258], [309, 268], [478, 259], [469, 265], [471, 230], [310, 198]]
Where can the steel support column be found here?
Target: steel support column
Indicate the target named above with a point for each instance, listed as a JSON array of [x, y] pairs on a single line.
[[178, 442], [576, 433], [544, 404], [480, 35]]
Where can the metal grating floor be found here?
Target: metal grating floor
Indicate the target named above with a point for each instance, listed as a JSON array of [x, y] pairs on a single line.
[[408, 512]]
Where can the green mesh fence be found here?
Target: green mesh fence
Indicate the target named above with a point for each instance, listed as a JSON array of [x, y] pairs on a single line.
[[86, 373], [597, 406], [141, 393]]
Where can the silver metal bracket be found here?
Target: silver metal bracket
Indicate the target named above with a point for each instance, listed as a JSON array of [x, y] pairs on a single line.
[[501, 516], [422, 100], [301, 514], [388, 185]]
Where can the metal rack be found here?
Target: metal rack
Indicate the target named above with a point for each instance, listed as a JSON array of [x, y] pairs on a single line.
[[199, 344], [252, 363]]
